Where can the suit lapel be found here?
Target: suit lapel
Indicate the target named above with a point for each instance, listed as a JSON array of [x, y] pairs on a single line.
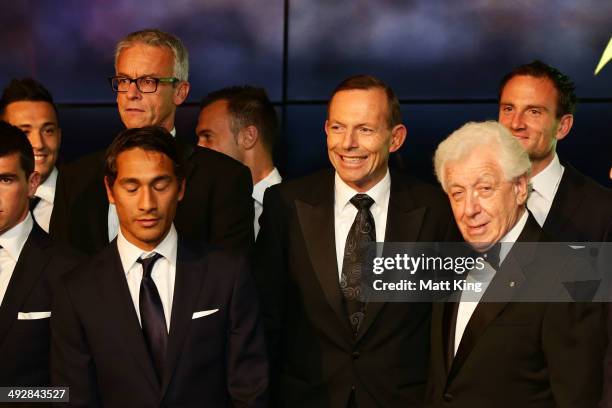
[[120, 310], [188, 285], [404, 221], [316, 219], [567, 200], [27, 272], [488, 309]]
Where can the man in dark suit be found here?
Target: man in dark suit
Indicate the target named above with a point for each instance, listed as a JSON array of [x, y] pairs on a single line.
[[28, 105], [30, 263], [329, 348], [487, 349], [150, 82], [147, 322], [536, 103]]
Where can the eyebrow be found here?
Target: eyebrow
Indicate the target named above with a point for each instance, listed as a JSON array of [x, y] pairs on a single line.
[[8, 175], [134, 180], [121, 74]]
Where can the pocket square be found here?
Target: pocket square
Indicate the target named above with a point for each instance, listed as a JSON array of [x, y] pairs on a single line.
[[203, 313], [33, 315]]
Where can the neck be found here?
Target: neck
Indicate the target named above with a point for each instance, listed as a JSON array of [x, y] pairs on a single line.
[[538, 165], [260, 165]]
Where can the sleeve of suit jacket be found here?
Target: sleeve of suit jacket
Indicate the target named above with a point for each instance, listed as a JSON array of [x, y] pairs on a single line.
[[574, 339], [247, 355], [71, 362]]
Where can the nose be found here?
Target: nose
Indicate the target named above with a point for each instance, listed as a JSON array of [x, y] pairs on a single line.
[[147, 199], [472, 204], [35, 139], [517, 121], [349, 140], [133, 92]]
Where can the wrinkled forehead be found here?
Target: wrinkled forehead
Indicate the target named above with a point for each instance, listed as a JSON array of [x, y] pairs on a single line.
[[140, 59], [473, 169]]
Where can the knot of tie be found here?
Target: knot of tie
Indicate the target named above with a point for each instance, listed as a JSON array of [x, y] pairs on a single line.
[[362, 201], [148, 263]]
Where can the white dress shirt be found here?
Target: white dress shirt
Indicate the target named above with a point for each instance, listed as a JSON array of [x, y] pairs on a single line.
[[12, 242], [163, 273], [44, 208], [113, 219], [345, 212], [545, 185], [259, 189], [485, 276]]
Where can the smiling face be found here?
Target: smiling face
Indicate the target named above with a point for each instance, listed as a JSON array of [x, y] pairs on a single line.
[[528, 108], [139, 109], [485, 205], [359, 140], [146, 193], [39, 122]]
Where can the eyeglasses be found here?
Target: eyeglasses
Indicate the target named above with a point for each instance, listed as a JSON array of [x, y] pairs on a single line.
[[144, 84]]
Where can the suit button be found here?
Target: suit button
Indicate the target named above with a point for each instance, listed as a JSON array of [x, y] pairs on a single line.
[[355, 355], [448, 397]]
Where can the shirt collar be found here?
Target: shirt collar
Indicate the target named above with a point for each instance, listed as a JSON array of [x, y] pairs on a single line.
[[271, 179], [14, 239], [511, 236], [343, 193], [173, 131], [546, 181], [46, 191], [129, 253]]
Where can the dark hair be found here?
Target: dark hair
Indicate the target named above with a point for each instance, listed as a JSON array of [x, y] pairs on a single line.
[[365, 82], [247, 106], [14, 141], [566, 98], [25, 89], [149, 138]]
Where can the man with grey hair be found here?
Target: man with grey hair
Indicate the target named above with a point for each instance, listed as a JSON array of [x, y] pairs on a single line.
[[491, 352], [150, 81]]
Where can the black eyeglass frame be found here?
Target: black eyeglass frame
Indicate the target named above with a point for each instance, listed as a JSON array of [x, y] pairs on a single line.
[[163, 80]]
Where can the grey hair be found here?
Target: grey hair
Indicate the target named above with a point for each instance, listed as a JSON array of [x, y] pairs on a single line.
[[157, 38], [512, 157]]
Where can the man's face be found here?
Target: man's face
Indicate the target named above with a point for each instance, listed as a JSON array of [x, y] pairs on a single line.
[[15, 191], [358, 138], [528, 108], [485, 205], [139, 109], [39, 121], [213, 130], [146, 193]]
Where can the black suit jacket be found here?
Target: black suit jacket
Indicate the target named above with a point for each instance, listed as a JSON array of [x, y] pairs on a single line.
[[519, 354], [24, 344], [217, 207], [581, 210], [316, 359], [98, 349]]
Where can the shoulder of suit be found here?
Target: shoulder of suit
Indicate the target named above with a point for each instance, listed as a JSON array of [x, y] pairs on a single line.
[[213, 158], [590, 186], [84, 170], [303, 187], [420, 191]]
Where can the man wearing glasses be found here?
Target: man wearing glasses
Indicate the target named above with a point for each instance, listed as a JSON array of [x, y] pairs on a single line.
[[150, 81]]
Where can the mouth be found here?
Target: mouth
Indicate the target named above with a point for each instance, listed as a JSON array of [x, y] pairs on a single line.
[[147, 222], [477, 229], [40, 158], [134, 110], [352, 160]]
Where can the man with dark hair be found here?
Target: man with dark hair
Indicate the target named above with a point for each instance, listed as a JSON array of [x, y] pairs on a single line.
[[328, 347], [536, 103], [241, 122], [151, 73], [147, 323], [30, 264], [28, 105]]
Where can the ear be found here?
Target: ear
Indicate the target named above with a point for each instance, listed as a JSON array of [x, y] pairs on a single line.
[[564, 126], [109, 191], [398, 136], [521, 188], [181, 92], [181, 192], [248, 137], [33, 183]]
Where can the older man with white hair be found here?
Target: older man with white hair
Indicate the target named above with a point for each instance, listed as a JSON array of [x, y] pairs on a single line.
[[487, 352]]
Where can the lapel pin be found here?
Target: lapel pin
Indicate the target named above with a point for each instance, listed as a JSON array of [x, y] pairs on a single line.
[[512, 284]]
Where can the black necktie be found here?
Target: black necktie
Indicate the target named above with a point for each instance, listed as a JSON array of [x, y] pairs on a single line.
[[152, 316], [34, 202], [492, 256], [361, 233]]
